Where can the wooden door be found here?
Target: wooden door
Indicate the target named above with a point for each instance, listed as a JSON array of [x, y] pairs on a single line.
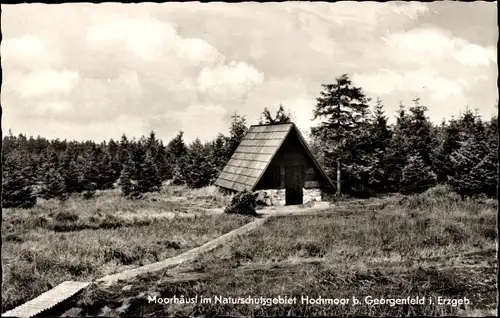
[[294, 184]]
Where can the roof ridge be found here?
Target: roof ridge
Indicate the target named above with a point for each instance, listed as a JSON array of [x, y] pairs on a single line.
[[272, 125]]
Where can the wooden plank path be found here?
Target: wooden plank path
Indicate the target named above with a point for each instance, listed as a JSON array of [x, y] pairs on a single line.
[[181, 258], [47, 300]]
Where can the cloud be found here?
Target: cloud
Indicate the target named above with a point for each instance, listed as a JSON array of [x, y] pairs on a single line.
[[228, 82], [144, 38], [362, 16], [202, 121], [48, 82], [431, 44], [475, 55], [27, 52], [149, 39], [51, 108], [394, 82]]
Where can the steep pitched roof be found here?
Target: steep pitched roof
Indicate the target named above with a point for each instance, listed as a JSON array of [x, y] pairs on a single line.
[[254, 154]]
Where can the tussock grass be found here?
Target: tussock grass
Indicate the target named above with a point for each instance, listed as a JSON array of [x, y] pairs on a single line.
[[432, 244], [206, 197], [87, 239]]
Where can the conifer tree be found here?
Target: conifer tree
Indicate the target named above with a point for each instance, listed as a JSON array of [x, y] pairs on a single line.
[[149, 179], [281, 117], [138, 153], [162, 162], [114, 149], [343, 107], [218, 152], [200, 171], [159, 154], [176, 150], [417, 176], [421, 138], [127, 184], [398, 150], [237, 131], [123, 150], [380, 136], [17, 191], [90, 171], [53, 185], [475, 168], [107, 175], [441, 155], [71, 171], [380, 131], [49, 159]]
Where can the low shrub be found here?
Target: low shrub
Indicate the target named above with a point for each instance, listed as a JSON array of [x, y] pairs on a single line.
[[242, 203]]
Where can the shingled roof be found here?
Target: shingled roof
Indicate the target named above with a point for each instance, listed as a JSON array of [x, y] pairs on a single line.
[[254, 154]]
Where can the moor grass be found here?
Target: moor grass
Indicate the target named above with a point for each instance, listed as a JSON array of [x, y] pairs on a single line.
[[87, 239], [428, 245]]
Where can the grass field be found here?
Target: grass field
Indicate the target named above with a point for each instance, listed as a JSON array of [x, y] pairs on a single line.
[[429, 245], [88, 239]]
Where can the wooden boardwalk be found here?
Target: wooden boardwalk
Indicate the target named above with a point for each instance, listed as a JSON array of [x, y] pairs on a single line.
[[47, 300], [181, 258]]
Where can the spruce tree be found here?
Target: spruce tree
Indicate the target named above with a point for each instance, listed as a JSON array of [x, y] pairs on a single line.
[[449, 143], [380, 135], [398, 149], [71, 171], [237, 131], [53, 185], [17, 191], [127, 185], [90, 171], [421, 138], [218, 152], [281, 117], [162, 162], [475, 168], [159, 154], [49, 159], [176, 150], [343, 107], [123, 151], [417, 176], [380, 131], [200, 170], [137, 152], [113, 150], [149, 179], [107, 175]]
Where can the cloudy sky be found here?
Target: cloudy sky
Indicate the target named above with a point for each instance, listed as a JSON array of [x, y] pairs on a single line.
[[95, 71]]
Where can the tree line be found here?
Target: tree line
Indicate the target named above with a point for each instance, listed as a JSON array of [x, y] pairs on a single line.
[[360, 151]]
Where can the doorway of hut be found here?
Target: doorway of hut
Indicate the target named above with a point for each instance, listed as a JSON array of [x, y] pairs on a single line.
[[294, 184]]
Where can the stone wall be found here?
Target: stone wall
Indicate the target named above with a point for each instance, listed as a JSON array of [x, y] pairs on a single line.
[[277, 197]]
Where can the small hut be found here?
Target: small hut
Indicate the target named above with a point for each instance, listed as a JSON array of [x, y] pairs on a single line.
[[274, 157]]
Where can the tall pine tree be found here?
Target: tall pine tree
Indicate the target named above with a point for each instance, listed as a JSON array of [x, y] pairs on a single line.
[[343, 107]]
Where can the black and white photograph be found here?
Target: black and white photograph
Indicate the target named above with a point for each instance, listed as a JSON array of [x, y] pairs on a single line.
[[249, 159]]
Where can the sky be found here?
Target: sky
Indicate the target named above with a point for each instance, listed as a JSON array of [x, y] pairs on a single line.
[[96, 71]]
